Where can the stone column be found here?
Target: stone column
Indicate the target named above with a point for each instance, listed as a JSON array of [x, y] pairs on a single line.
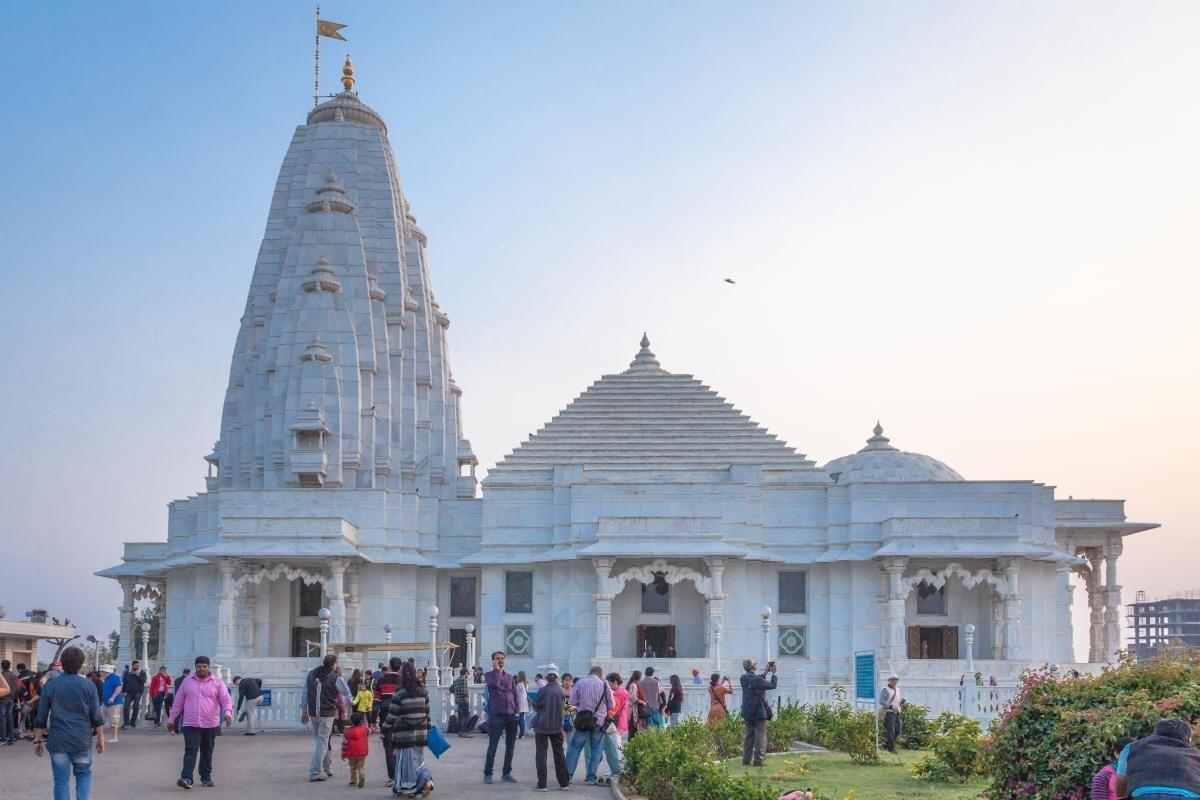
[[997, 624], [1096, 644], [897, 593], [1012, 609], [353, 574], [227, 609], [245, 628], [603, 598], [161, 586], [336, 589], [127, 643], [1112, 604], [716, 607], [1062, 575]]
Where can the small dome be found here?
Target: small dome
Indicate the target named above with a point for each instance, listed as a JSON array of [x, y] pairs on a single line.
[[879, 462]]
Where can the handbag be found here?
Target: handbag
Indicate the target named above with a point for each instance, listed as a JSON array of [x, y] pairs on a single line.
[[436, 741], [585, 719]]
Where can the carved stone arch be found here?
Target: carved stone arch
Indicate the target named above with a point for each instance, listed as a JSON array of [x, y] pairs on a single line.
[[969, 579], [148, 591], [278, 571], [648, 573]]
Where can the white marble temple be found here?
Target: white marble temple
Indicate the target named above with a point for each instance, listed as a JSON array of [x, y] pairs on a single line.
[[649, 514]]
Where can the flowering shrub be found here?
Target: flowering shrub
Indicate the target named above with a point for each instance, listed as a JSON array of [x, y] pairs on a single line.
[[1057, 732], [955, 750]]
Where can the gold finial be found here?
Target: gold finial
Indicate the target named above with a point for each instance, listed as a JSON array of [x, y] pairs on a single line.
[[347, 75]]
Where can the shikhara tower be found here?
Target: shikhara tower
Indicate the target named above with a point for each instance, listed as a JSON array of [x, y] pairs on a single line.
[[650, 515], [341, 434]]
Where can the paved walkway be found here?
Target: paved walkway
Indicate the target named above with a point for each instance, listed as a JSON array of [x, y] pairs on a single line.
[[145, 764]]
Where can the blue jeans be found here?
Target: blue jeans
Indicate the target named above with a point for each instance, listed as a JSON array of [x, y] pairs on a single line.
[[594, 740], [62, 765], [497, 724], [611, 753]]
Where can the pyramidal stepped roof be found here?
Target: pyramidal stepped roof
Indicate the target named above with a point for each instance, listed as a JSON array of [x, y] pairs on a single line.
[[648, 418]]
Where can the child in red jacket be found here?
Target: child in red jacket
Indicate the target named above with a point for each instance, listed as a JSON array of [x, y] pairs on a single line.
[[354, 749]]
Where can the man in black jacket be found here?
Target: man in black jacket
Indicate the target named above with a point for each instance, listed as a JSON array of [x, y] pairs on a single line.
[[1161, 766], [132, 687], [250, 693], [320, 699], [755, 709]]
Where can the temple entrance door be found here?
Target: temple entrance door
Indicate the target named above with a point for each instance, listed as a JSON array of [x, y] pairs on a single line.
[[658, 638], [458, 636], [933, 641]]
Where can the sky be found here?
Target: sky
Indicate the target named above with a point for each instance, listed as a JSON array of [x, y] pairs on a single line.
[[975, 222]]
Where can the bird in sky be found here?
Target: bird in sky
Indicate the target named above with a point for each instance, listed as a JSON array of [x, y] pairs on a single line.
[[730, 280]]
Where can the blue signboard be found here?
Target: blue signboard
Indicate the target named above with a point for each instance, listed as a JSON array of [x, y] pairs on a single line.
[[864, 676], [266, 698]]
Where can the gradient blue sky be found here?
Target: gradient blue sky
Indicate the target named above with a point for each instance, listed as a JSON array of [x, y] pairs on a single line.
[[974, 221]]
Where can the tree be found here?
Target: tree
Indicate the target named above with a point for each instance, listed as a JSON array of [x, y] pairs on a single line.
[[60, 642]]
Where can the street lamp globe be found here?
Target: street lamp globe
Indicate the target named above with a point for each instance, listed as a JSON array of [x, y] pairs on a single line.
[[766, 612], [387, 628], [970, 628], [433, 612], [145, 627], [470, 628], [324, 613]]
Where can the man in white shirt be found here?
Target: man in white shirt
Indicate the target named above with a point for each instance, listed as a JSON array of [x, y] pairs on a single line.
[[890, 703]]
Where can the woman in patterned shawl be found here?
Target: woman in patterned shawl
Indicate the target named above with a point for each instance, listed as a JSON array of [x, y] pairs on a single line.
[[407, 727]]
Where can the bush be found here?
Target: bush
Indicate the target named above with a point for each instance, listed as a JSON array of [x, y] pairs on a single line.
[[1057, 732], [727, 737], [956, 754], [855, 735], [789, 724], [915, 727], [675, 764]]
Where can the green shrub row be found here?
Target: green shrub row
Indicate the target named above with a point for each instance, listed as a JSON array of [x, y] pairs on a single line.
[[838, 727]]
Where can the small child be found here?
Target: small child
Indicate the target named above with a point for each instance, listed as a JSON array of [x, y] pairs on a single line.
[[354, 748], [364, 700]]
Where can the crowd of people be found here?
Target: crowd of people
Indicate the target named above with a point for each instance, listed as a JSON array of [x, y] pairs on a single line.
[[591, 717]]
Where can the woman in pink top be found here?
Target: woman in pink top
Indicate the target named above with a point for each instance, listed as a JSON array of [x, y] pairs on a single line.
[[202, 699], [620, 709]]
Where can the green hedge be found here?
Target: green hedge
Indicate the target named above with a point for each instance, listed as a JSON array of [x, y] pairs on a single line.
[[1058, 732], [955, 750], [676, 763]]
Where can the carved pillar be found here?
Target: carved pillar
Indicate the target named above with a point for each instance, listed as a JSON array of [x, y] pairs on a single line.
[[127, 643], [603, 598], [1012, 609], [1096, 644], [897, 593], [353, 574], [245, 627], [227, 609], [1112, 601], [1062, 575], [336, 589], [997, 624], [716, 607], [161, 604]]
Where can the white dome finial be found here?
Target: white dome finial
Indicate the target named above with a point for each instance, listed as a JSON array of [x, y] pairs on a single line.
[[878, 441], [644, 361]]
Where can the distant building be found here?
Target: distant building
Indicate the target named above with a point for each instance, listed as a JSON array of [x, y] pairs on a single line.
[[1163, 624], [19, 638]]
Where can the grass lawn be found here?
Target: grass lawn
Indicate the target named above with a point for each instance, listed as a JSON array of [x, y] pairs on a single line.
[[834, 774]]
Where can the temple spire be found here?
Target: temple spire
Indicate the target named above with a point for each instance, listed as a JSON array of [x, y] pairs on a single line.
[[878, 441], [347, 74], [644, 361]]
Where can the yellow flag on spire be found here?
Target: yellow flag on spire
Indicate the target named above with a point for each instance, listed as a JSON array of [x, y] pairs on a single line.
[[330, 29]]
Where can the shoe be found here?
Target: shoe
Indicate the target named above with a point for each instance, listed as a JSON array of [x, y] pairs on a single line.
[[316, 778], [508, 778], [590, 782], [183, 784], [362, 781], [207, 783], [540, 789], [389, 782], [564, 788], [428, 789], [352, 782], [487, 778], [248, 733], [328, 773], [123, 727]]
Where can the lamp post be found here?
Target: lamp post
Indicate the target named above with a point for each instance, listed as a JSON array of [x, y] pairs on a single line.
[[969, 704], [433, 661], [470, 663], [766, 629], [716, 644], [96, 650], [324, 614], [145, 645], [387, 637]]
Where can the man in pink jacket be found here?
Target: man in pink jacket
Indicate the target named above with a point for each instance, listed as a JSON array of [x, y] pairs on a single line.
[[202, 700]]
